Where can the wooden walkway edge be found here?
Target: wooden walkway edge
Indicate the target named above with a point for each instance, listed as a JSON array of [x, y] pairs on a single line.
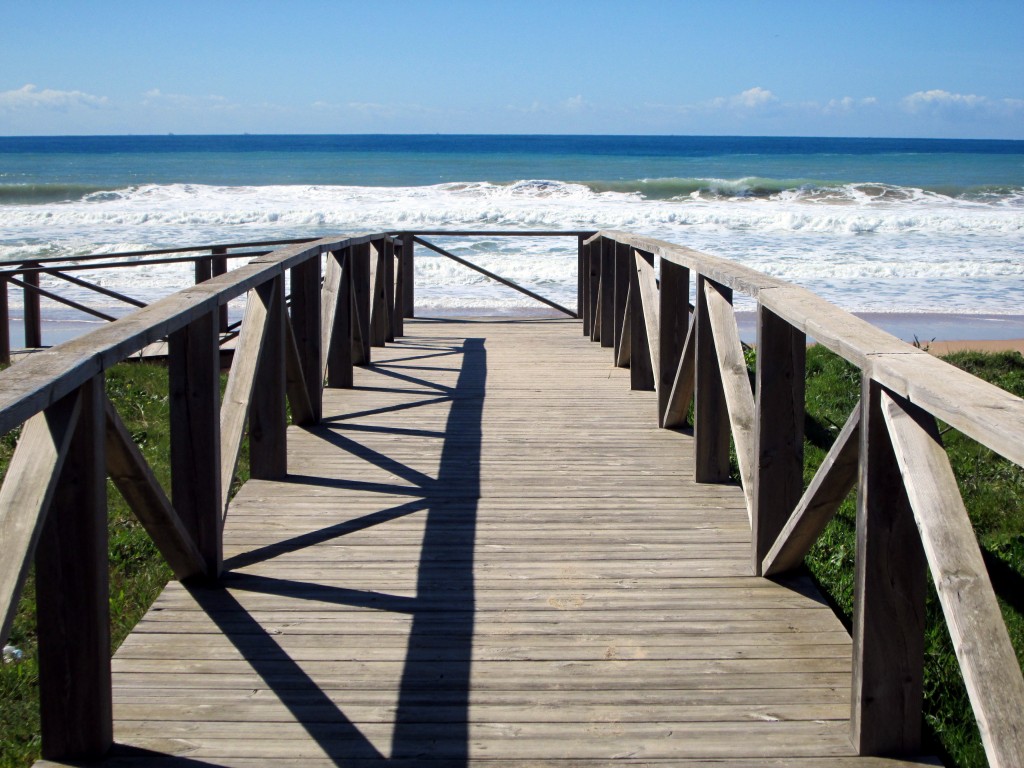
[[487, 551]]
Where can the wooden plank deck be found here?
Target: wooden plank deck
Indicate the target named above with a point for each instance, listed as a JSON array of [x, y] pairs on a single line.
[[487, 552]]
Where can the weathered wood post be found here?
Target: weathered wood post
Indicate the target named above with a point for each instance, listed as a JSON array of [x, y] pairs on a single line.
[[337, 314], [30, 302], [359, 268], [196, 483], [778, 429], [582, 270], [389, 288], [408, 276], [219, 266], [5, 323], [584, 285], [268, 420], [888, 599], [595, 289], [641, 372], [710, 412], [305, 317], [622, 258], [203, 269], [72, 586], [379, 322], [398, 310], [673, 323], [607, 293]]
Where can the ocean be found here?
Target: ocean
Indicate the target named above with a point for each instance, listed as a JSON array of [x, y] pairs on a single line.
[[873, 225]]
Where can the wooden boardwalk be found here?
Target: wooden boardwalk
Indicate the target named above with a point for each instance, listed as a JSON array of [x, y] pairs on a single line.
[[487, 551]]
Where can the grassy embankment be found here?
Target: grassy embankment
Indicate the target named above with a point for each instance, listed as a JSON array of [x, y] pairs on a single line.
[[993, 490], [137, 571]]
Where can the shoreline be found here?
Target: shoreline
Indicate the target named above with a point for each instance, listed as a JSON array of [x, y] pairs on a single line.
[[936, 332]]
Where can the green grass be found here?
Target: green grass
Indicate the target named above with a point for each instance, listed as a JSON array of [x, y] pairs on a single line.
[[993, 491], [137, 571]]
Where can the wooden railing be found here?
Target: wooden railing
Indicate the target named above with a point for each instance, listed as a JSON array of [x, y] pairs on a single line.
[[910, 515], [347, 296], [208, 261]]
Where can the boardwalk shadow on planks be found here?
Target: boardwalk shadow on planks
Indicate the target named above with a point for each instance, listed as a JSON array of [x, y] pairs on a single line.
[[431, 721]]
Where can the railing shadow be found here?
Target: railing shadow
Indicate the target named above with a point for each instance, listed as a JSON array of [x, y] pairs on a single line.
[[431, 718]]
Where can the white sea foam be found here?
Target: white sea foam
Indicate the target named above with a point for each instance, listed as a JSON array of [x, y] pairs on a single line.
[[865, 246]]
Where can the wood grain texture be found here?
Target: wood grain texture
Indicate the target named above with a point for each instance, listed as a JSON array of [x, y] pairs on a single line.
[[982, 644], [735, 382], [710, 412], [29, 485], [888, 600], [462, 568]]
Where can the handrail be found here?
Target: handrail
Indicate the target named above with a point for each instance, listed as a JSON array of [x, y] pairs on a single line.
[[694, 356]]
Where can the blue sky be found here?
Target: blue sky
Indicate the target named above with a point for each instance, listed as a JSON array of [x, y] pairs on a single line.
[[898, 68]]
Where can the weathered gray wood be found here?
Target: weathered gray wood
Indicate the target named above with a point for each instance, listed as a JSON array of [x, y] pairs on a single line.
[[623, 356], [819, 503], [595, 330], [681, 393], [30, 308], [641, 370], [710, 412], [336, 321], [72, 600], [607, 267], [234, 410], [218, 267], [5, 323], [982, 644], [25, 496], [194, 393], [389, 288], [623, 257], [37, 291], [128, 468], [408, 275], [397, 314], [735, 380], [582, 270], [358, 266], [298, 390], [888, 600], [647, 286], [306, 313], [778, 451], [268, 420], [379, 321], [673, 327], [497, 278]]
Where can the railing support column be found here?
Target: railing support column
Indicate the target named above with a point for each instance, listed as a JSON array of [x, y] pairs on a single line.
[[336, 323], [641, 372], [582, 270], [268, 419], [5, 324], [594, 288], [673, 321], [359, 269], [408, 276], [607, 251], [398, 310], [305, 317], [219, 266], [710, 413], [778, 429], [623, 266], [72, 586], [888, 601], [30, 302], [194, 374]]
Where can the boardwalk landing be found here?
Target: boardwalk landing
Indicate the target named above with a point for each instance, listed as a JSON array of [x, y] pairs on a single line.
[[487, 552]]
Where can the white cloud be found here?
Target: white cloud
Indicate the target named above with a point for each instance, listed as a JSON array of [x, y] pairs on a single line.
[[752, 98], [29, 97], [154, 97], [574, 104], [939, 99], [848, 104]]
